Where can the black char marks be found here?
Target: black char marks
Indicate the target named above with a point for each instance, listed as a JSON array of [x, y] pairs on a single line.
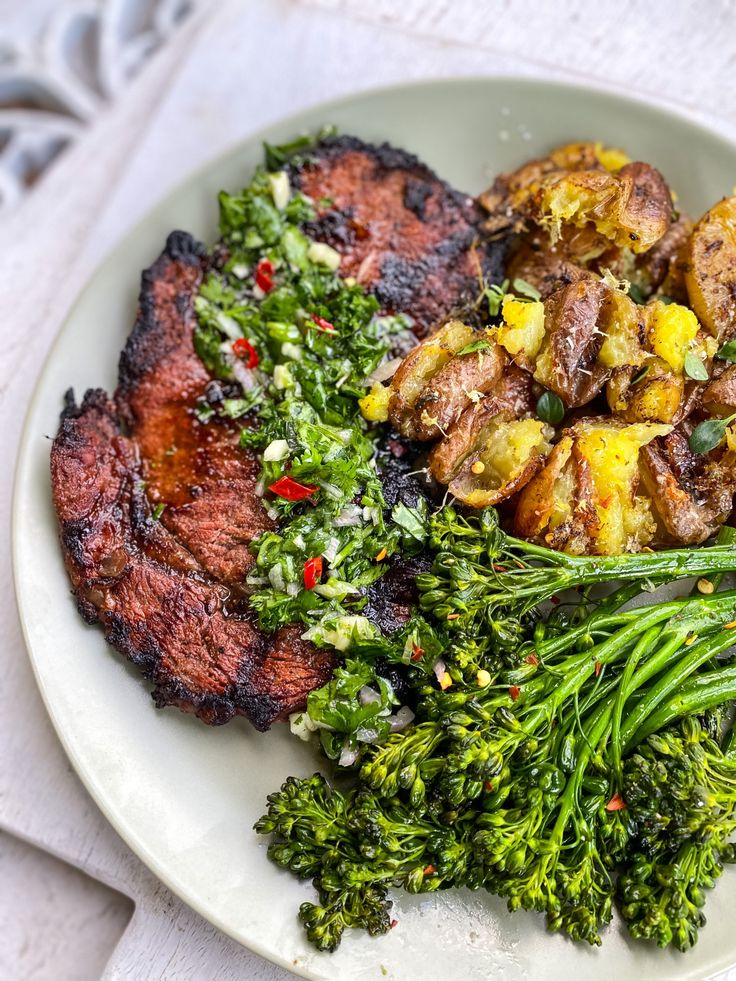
[[402, 232], [165, 591]]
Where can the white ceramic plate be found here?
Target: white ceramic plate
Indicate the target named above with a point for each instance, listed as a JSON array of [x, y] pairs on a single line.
[[184, 796]]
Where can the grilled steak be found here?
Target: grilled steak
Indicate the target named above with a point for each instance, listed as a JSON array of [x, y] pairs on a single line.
[[402, 232], [164, 590], [168, 588]]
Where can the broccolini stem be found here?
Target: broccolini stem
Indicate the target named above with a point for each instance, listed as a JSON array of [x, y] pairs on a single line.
[[703, 692], [645, 644]]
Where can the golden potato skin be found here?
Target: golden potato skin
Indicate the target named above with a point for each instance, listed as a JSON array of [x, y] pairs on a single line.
[[692, 494], [656, 398], [584, 501], [420, 365], [568, 360], [710, 278], [719, 395], [460, 381], [512, 396], [662, 268], [632, 207]]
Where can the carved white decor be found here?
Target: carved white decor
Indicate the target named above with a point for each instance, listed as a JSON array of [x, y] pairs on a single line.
[[52, 86]]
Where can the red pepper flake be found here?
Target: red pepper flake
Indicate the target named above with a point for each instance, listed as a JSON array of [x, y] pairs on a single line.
[[532, 659], [393, 923], [616, 803], [245, 350], [429, 870], [324, 325], [598, 667], [264, 275], [453, 616], [488, 786], [499, 568], [312, 572], [417, 652], [555, 600], [381, 555], [514, 691], [292, 490]]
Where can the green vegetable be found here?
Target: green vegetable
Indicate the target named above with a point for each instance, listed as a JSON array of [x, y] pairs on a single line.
[[525, 289], [694, 367], [728, 351], [540, 786], [494, 297], [486, 576], [707, 435], [306, 389], [641, 375], [550, 408]]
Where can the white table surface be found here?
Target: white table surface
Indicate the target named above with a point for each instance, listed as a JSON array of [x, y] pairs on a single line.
[[235, 66]]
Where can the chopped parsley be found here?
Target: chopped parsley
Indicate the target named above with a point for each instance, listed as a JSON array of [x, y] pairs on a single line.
[[311, 339]]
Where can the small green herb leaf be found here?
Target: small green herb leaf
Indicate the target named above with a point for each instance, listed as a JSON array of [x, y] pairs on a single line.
[[694, 367], [494, 295], [474, 346], [158, 511], [727, 352], [641, 375], [709, 434], [550, 408], [412, 521], [636, 293], [523, 288]]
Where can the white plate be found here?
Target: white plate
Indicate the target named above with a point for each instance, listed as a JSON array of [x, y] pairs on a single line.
[[184, 796]]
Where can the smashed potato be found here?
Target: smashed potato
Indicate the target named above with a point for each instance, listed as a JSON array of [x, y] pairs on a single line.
[[513, 398], [418, 368], [585, 499], [671, 329], [653, 393], [507, 455], [711, 269], [568, 358], [692, 494], [507, 199], [632, 207]]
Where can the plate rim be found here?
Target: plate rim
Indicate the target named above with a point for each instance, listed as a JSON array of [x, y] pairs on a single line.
[[24, 452]]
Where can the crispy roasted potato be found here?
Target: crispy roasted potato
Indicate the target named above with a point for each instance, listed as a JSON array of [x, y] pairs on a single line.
[[513, 397], [419, 367], [662, 268], [624, 326], [496, 446], [459, 383], [719, 395], [545, 268], [652, 393], [521, 331], [506, 200], [632, 207], [692, 493], [506, 456], [671, 330], [585, 499], [568, 358], [711, 269]]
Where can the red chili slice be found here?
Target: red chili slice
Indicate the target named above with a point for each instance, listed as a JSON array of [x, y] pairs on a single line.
[[616, 803], [323, 324], [312, 572], [245, 350], [291, 489], [514, 691], [264, 275]]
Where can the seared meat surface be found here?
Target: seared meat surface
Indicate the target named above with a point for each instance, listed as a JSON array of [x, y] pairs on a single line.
[[168, 587], [165, 591], [402, 232]]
